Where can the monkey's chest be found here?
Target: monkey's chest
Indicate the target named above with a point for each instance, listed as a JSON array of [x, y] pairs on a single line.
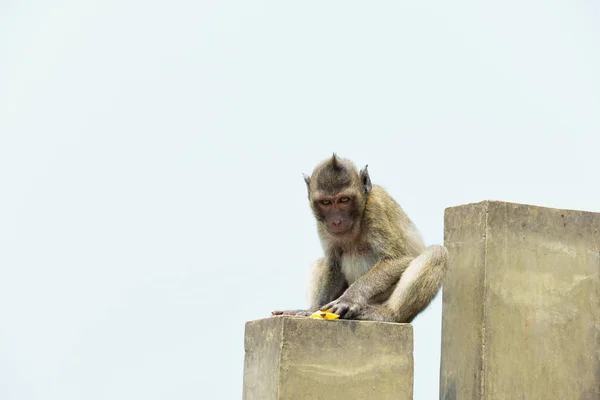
[[356, 264]]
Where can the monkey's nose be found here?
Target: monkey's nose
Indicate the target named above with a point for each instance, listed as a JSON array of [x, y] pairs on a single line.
[[336, 222]]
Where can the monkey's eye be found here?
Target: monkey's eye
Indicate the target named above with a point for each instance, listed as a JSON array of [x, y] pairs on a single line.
[[344, 199], [325, 202]]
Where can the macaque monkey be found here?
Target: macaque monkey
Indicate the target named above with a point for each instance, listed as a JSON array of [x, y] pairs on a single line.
[[375, 265]]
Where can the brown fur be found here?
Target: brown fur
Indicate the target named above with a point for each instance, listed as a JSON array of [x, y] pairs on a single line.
[[375, 265]]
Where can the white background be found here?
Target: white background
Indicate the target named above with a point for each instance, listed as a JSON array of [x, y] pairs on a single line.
[[151, 196]]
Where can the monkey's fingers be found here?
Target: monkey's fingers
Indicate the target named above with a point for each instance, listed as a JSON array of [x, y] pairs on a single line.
[[306, 313], [327, 307], [333, 307], [340, 309], [352, 312], [286, 312], [347, 310]]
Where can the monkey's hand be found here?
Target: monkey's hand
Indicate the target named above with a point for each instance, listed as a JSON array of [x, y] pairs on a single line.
[[298, 313], [347, 307]]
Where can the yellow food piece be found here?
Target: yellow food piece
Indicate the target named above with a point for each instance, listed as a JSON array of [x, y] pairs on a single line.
[[324, 315]]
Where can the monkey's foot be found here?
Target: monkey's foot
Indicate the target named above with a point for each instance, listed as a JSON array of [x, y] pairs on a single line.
[[374, 313], [297, 313]]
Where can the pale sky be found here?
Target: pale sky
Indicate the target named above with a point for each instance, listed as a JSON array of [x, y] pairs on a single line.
[[151, 160]]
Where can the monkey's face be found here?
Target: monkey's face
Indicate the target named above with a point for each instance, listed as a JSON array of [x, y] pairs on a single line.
[[337, 193], [338, 212]]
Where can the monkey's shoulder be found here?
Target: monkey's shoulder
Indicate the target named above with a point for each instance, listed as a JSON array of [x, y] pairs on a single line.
[[380, 198], [382, 208], [387, 226]]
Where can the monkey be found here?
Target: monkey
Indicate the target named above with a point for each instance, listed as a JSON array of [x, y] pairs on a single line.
[[375, 266]]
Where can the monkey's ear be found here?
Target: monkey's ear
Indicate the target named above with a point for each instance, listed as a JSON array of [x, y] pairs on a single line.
[[306, 179], [365, 179]]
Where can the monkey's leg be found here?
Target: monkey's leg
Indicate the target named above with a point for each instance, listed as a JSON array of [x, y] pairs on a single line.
[[366, 291], [419, 284], [375, 313], [326, 284]]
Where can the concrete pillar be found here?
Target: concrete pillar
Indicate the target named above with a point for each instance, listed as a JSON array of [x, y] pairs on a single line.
[[302, 358], [521, 303]]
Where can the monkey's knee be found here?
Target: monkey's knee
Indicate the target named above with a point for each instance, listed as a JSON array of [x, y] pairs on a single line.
[[437, 255]]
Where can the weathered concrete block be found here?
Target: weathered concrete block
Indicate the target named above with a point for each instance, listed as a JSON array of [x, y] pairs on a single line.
[[302, 358], [521, 305]]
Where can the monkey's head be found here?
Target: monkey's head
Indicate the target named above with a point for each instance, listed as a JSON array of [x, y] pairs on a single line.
[[338, 192]]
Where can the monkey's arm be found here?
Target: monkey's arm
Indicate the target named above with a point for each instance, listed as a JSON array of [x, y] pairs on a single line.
[[385, 274], [382, 277], [326, 284]]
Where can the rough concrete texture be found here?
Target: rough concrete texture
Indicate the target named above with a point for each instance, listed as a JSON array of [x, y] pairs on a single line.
[[521, 315], [302, 358]]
